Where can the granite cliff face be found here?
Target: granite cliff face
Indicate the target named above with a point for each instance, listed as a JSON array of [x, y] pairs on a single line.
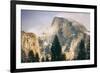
[[29, 45], [71, 36], [66, 40]]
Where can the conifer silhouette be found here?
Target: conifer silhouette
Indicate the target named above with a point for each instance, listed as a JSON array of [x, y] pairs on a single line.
[[56, 49]]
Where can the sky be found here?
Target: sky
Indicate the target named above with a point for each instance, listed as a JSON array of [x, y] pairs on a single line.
[[39, 21]]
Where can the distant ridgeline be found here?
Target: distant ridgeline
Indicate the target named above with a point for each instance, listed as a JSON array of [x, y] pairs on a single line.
[[69, 40]]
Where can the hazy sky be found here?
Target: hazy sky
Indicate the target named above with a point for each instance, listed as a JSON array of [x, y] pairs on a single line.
[[39, 21]]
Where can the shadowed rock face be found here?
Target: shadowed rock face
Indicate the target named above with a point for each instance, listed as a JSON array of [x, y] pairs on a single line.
[[67, 40]]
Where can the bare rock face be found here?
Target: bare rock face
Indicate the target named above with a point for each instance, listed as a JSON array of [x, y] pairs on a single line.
[[29, 46], [74, 38]]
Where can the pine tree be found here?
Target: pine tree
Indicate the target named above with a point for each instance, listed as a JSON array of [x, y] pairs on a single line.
[[31, 57], [82, 52], [56, 49], [23, 56], [88, 50]]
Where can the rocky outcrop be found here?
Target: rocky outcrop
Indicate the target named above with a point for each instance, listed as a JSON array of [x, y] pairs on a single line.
[[29, 46], [73, 37]]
